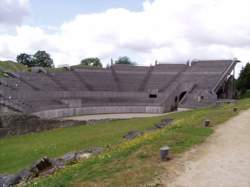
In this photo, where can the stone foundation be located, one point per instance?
(66, 112)
(19, 124)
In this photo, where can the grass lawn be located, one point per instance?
(20, 151)
(11, 67)
(127, 163)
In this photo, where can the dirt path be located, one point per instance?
(223, 161)
(118, 116)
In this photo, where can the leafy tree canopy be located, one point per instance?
(43, 59)
(40, 58)
(243, 82)
(95, 62)
(124, 60)
(24, 59)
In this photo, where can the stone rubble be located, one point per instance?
(47, 166)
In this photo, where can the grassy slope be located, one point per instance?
(128, 163)
(12, 66)
(15, 67)
(84, 66)
(136, 162)
(13, 155)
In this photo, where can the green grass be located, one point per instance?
(246, 94)
(12, 66)
(13, 155)
(126, 163)
(85, 67)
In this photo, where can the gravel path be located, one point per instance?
(110, 116)
(118, 116)
(223, 161)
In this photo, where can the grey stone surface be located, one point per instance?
(164, 123)
(64, 112)
(18, 124)
(132, 135)
(47, 166)
(9, 180)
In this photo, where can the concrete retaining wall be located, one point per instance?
(65, 112)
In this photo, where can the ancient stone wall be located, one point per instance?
(19, 124)
(63, 112)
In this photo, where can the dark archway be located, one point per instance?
(182, 95)
(175, 106)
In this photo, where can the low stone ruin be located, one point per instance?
(47, 166)
(19, 124)
(134, 134)
(163, 123)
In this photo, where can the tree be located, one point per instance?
(43, 59)
(24, 59)
(124, 60)
(40, 58)
(95, 62)
(243, 82)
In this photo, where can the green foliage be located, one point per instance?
(11, 66)
(24, 59)
(94, 62)
(243, 82)
(124, 60)
(246, 94)
(43, 59)
(40, 58)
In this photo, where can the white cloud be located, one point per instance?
(166, 30)
(12, 12)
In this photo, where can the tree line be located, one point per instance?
(43, 59)
(243, 82)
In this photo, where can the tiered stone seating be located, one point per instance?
(163, 75)
(40, 81)
(100, 80)
(15, 84)
(130, 81)
(130, 77)
(210, 66)
(40, 105)
(205, 73)
(68, 81)
(120, 85)
(124, 67)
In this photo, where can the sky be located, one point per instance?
(145, 30)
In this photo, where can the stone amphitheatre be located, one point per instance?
(29, 101)
(118, 89)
